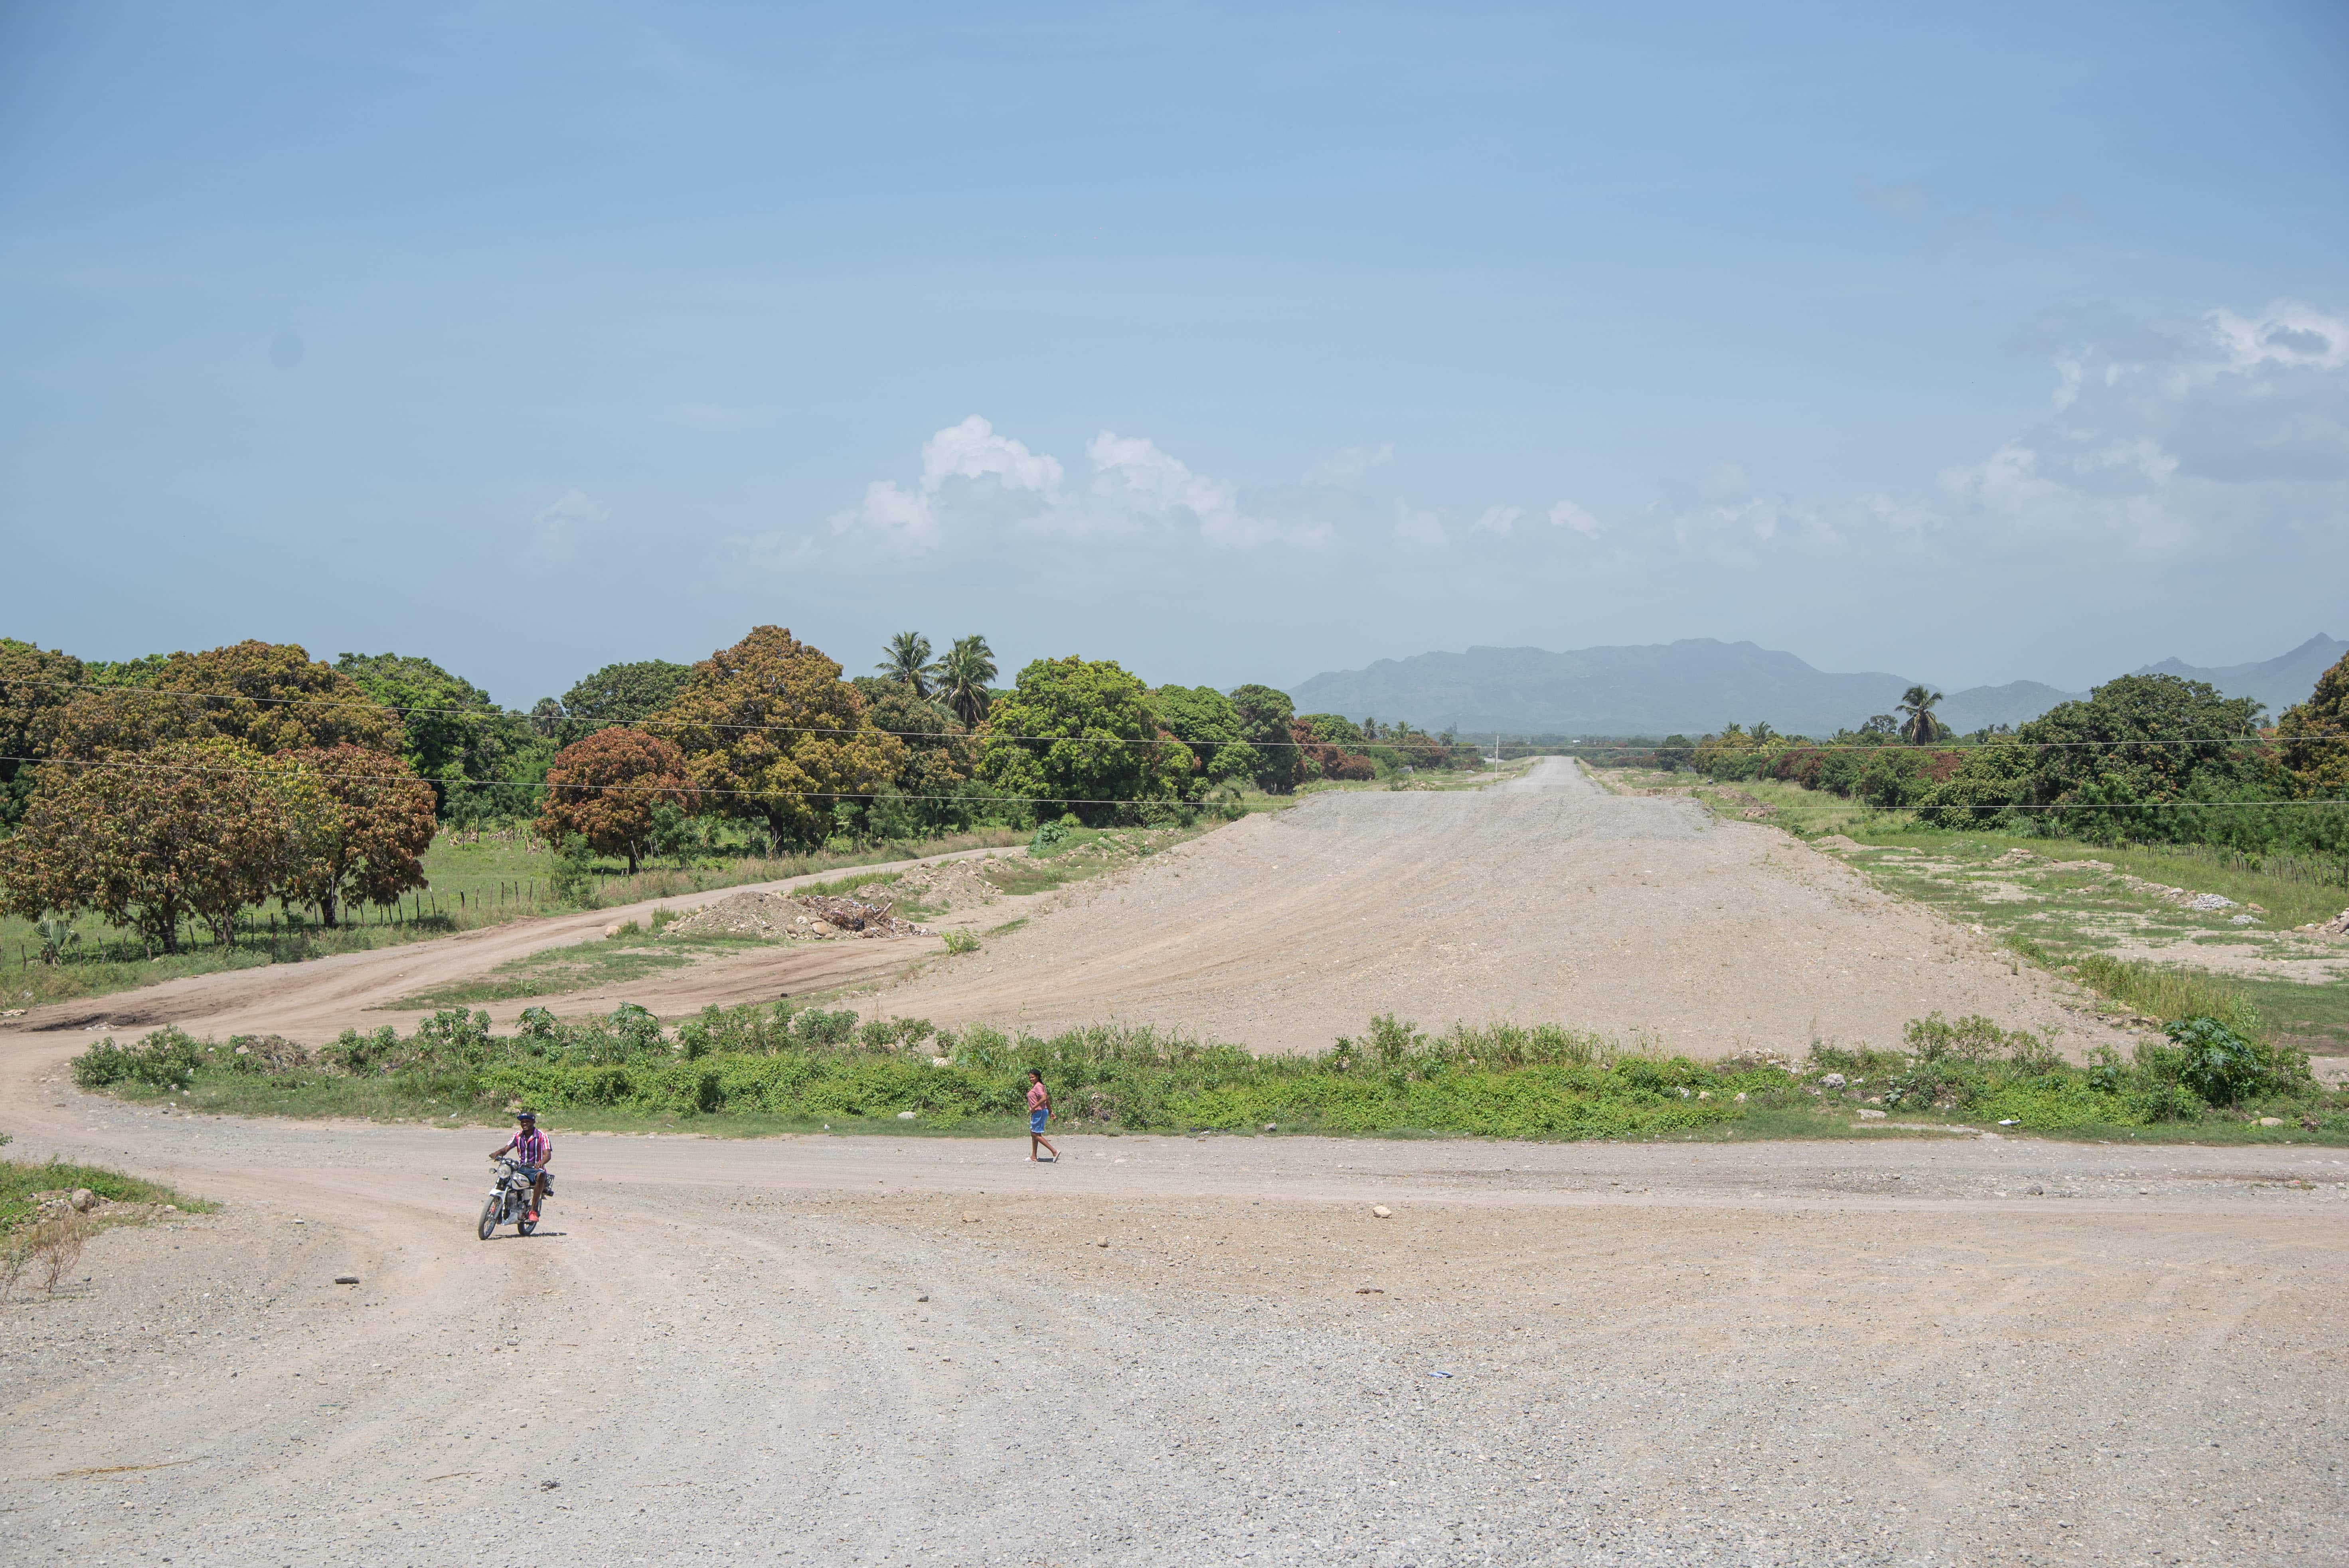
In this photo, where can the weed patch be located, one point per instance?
(779, 1068)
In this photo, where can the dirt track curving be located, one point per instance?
(315, 1001)
(893, 1351)
(1541, 900)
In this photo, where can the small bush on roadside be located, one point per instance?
(167, 1058)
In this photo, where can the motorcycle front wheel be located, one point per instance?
(489, 1212)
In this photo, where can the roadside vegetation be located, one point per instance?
(47, 1211)
(783, 1068)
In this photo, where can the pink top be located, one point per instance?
(1037, 1099)
(532, 1147)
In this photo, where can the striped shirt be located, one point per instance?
(530, 1147)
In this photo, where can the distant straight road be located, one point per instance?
(1543, 899)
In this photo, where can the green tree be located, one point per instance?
(617, 694)
(359, 835)
(1265, 715)
(772, 734)
(458, 739)
(1206, 721)
(605, 787)
(35, 687)
(2138, 742)
(908, 662)
(1922, 727)
(1081, 736)
(2316, 734)
(963, 679)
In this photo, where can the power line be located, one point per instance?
(1521, 747)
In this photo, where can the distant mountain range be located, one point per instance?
(1698, 684)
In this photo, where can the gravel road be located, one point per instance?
(316, 1000)
(1543, 899)
(896, 1351)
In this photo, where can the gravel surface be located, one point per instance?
(900, 1350)
(1542, 900)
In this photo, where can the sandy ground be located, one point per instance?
(315, 1001)
(1541, 900)
(900, 1351)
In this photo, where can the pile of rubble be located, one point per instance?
(782, 917)
(2337, 926)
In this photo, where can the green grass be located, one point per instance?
(19, 1180)
(2076, 920)
(1082, 854)
(474, 884)
(775, 1069)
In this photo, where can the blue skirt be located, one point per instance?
(1036, 1119)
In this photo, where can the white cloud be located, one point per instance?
(972, 450)
(1566, 515)
(2159, 443)
(559, 524)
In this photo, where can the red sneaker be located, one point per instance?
(531, 1216)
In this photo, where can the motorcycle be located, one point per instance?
(509, 1202)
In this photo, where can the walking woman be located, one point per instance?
(1039, 1111)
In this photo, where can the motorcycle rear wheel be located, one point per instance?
(525, 1226)
(491, 1213)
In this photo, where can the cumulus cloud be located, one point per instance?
(2155, 442)
(978, 486)
(2189, 430)
(558, 525)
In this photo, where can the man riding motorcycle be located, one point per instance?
(531, 1149)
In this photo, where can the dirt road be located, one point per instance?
(1541, 900)
(316, 1000)
(898, 1351)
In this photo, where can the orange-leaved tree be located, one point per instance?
(36, 684)
(272, 696)
(191, 830)
(772, 734)
(2315, 736)
(358, 835)
(604, 788)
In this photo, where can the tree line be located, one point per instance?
(193, 787)
(2143, 759)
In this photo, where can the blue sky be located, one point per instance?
(1234, 344)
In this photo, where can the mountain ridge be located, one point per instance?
(1698, 684)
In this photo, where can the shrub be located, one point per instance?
(167, 1058)
(2218, 1064)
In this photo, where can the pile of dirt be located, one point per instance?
(956, 884)
(782, 917)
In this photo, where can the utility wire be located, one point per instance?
(1522, 747)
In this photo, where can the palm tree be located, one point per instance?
(1920, 727)
(963, 676)
(908, 662)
